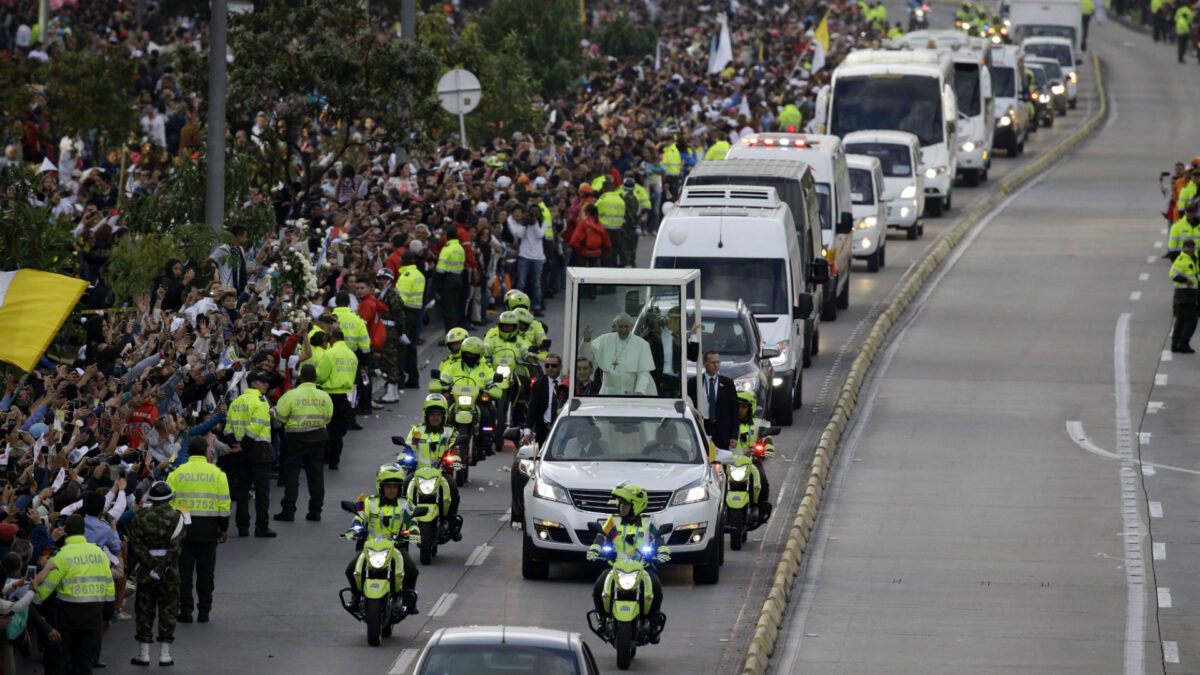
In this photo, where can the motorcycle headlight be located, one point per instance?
(544, 489)
(377, 559)
(1005, 120)
(1058, 89)
(968, 146)
(996, 39)
(738, 473)
(909, 192)
(503, 371)
(427, 485)
(690, 494)
(746, 383)
(867, 223)
(920, 13)
(525, 466)
(465, 400)
(627, 580)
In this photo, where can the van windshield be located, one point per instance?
(1053, 71)
(761, 283)
(966, 83)
(911, 103)
(1004, 82)
(861, 191)
(895, 159)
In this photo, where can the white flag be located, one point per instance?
(724, 52)
(818, 57)
(658, 56)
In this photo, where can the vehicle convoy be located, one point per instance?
(794, 183)
(827, 158)
(899, 155)
(639, 423)
(903, 90)
(1012, 100)
(740, 239)
(870, 210)
(1059, 49)
(1046, 18)
(1056, 80)
(972, 57)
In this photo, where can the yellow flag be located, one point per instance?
(582, 13)
(33, 306)
(822, 33)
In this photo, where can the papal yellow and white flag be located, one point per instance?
(33, 306)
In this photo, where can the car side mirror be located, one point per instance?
(724, 457)
(399, 440)
(348, 506)
(819, 272)
(803, 308)
(846, 224)
(527, 452)
(769, 353)
(887, 196)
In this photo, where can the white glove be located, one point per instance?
(405, 341)
(663, 557)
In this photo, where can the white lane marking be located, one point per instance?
(1160, 550)
(402, 661)
(1075, 431)
(1158, 244)
(1152, 407)
(1151, 258)
(1135, 573)
(478, 555)
(1135, 296)
(1156, 509)
(1148, 470)
(507, 515)
(1143, 276)
(1170, 651)
(1160, 379)
(1144, 437)
(1164, 597)
(1167, 356)
(443, 604)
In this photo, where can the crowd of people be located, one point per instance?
(161, 410)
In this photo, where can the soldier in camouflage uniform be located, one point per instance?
(627, 247)
(155, 542)
(393, 321)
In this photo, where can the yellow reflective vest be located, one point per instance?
(249, 417)
(1184, 270)
(338, 367)
(718, 150)
(1183, 26)
(411, 287)
(612, 210)
(643, 197)
(201, 489)
(304, 408)
(671, 161)
(354, 329)
(81, 574)
(452, 258)
(315, 359)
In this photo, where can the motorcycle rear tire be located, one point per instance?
(624, 644)
(737, 525)
(428, 542)
(374, 618)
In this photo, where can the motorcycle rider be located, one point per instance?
(430, 443)
(531, 331)
(388, 514)
(750, 431)
(454, 340)
(627, 531)
(514, 300)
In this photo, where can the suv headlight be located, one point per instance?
(867, 223)
(909, 192)
(690, 494)
(746, 383)
(377, 559)
(544, 489)
(968, 146)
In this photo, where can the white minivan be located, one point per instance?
(743, 241)
(899, 155)
(868, 198)
(824, 153)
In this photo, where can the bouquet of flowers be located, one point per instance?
(293, 270)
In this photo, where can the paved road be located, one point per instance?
(276, 608)
(989, 510)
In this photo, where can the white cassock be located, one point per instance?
(626, 364)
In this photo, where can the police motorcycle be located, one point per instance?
(468, 398)
(511, 361)
(378, 577)
(628, 622)
(744, 478)
(429, 490)
(918, 16)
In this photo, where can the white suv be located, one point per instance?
(655, 443)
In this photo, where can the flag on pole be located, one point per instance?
(33, 306)
(582, 13)
(818, 56)
(722, 55)
(822, 33)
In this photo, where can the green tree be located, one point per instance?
(324, 59)
(548, 32)
(624, 36)
(140, 257)
(30, 238)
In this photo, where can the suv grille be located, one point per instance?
(597, 501)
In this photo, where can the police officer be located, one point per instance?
(431, 441)
(85, 596)
(751, 432)
(390, 356)
(627, 532)
(627, 250)
(611, 206)
(411, 286)
(1184, 274)
(1183, 28)
(1187, 227)
(335, 376)
(248, 432)
(386, 513)
(451, 262)
(201, 491)
(672, 163)
(304, 413)
(156, 538)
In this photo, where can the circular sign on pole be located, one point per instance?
(459, 92)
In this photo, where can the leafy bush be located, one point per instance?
(622, 36)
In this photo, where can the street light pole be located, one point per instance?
(43, 19)
(214, 202)
(408, 19)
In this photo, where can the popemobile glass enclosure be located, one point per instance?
(626, 335)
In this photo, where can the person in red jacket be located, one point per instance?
(371, 310)
(142, 419)
(589, 240)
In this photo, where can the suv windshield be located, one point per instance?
(624, 439)
(894, 159)
(1004, 82)
(861, 191)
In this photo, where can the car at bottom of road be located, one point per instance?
(596, 444)
(478, 650)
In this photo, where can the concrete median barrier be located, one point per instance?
(770, 621)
